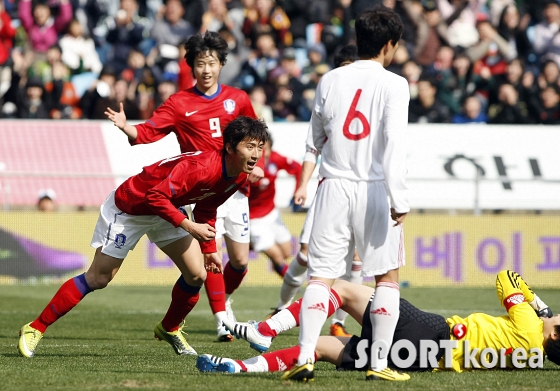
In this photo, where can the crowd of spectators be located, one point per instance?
(467, 61)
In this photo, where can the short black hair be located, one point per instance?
(375, 27)
(243, 128)
(552, 347)
(347, 53)
(210, 41)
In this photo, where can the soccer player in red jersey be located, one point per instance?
(197, 116)
(268, 232)
(149, 203)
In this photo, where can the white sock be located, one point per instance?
(220, 316)
(339, 316)
(384, 314)
(256, 364)
(293, 280)
(282, 321)
(354, 276)
(312, 316)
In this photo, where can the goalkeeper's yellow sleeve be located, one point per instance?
(512, 289)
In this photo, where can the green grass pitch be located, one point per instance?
(107, 343)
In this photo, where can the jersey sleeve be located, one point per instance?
(317, 130)
(514, 294)
(158, 126)
(394, 159)
(290, 166)
(175, 185)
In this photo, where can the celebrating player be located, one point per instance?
(268, 232)
(197, 116)
(529, 325)
(148, 203)
(357, 125)
(297, 270)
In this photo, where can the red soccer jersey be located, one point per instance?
(261, 199)
(196, 119)
(193, 177)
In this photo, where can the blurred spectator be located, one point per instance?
(460, 17)
(32, 102)
(258, 99)
(490, 52)
(546, 109)
(46, 200)
(95, 100)
(411, 72)
(270, 19)
(546, 38)
(65, 100)
(260, 62)
(513, 28)
(7, 35)
(457, 83)
(218, 17)
(508, 109)
(316, 55)
(517, 77)
(147, 102)
(170, 28)
(550, 74)
(431, 30)
(127, 31)
(471, 112)
(427, 108)
(285, 91)
(400, 57)
(339, 30)
(44, 68)
(443, 62)
(41, 30)
(237, 56)
(125, 95)
(78, 51)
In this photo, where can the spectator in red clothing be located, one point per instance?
(7, 34)
(268, 233)
(41, 30)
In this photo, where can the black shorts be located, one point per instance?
(413, 325)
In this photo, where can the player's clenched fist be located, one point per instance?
(213, 263)
(201, 232)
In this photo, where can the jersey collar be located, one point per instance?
(215, 94)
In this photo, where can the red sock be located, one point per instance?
(183, 299)
(283, 360)
(216, 292)
(233, 277)
(335, 302)
(66, 298)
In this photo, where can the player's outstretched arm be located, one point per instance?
(119, 120)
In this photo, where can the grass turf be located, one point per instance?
(106, 343)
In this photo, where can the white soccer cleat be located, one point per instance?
(249, 332)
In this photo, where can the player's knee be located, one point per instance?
(239, 262)
(98, 281)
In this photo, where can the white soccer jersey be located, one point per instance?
(358, 121)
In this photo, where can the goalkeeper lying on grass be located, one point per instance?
(529, 326)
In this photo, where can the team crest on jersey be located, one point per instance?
(272, 168)
(120, 240)
(229, 105)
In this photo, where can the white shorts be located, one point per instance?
(307, 224)
(118, 232)
(233, 218)
(348, 214)
(268, 230)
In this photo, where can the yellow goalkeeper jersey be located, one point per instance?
(521, 328)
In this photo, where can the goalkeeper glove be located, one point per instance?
(540, 308)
